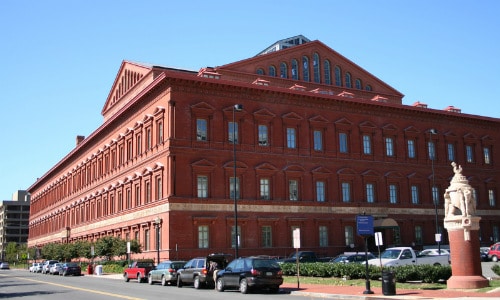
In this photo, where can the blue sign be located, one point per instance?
(364, 225)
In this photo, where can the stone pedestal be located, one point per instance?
(463, 233)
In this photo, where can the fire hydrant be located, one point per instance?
(90, 270)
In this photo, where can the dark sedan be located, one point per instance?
(70, 268)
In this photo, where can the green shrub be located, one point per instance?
(496, 269)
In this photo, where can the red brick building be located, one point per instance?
(313, 140)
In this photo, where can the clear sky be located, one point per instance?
(60, 58)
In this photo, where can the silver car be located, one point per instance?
(165, 272)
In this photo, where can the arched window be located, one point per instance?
(348, 82)
(358, 84)
(305, 68)
(260, 71)
(272, 71)
(368, 87)
(283, 70)
(317, 76)
(295, 69)
(326, 67)
(338, 76)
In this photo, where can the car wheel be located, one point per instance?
(163, 281)
(139, 278)
(244, 286)
(197, 283)
(179, 281)
(150, 279)
(125, 277)
(219, 285)
(494, 258)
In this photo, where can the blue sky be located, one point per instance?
(59, 58)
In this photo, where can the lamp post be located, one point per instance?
(236, 107)
(437, 236)
(157, 222)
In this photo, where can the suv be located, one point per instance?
(250, 273)
(494, 252)
(199, 272)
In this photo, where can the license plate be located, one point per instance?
(269, 273)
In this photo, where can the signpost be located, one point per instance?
(296, 245)
(364, 225)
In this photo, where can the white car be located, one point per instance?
(34, 267)
(55, 269)
(432, 252)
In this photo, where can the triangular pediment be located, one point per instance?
(411, 129)
(264, 113)
(292, 116)
(318, 119)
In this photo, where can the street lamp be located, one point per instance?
(437, 236)
(157, 222)
(236, 107)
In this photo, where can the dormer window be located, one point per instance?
(259, 81)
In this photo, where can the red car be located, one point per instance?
(494, 252)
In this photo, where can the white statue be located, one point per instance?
(458, 197)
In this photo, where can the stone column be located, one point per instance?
(463, 233)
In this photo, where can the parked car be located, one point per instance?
(37, 268)
(483, 252)
(46, 266)
(494, 252)
(198, 271)
(400, 256)
(427, 252)
(250, 273)
(138, 270)
(165, 272)
(55, 269)
(303, 256)
(70, 268)
(33, 267)
(4, 266)
(352, 258)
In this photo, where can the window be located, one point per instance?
(328, 78)
(343, 143)
(265, 189)
(159, 130)
(414, 194)
(203, 237)
(146, 239)
(349, 235)
(290, 138)
(201, 130)
(295, 69)
(267, 236)
(260, 72)
(476, 199)
(469, 153)
(129, 198)
(148, 138)
(138, 144)
(318, 140)
(238, 237)
(393, 193)
(346, 192)
(491, 198)
(418, 235)
(450, 149)
(202, 186)
(358, 84)
(431, 149)
(338, 76)
(367, 144)
(389, 146)
(370, 193)
(263, 136)
(159, 188)
(233, 132)
(305, 68)
(137, 195)
(234, 188)
(283, 70)
(148, 191)
(411, 148)
(320, 191)
(293, 189)
(435, 195)
(486, 155)
(272, 71)
(130, 150)
(317, 76)
(348, 82)
(323, 236)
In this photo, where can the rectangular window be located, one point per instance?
(265, 189)
(486, 154)
(293, 189)
(148, 191)
(367, 144)
(370, 193)
(346, 192)
(159, 132)
(476, 198)
(469, 153)
(418, 235)
(431, 149)
(203, 237)
(263, 136)
(146, 240)
(159, 188)
(235, 238)
(130, 150)
(137, 195)
(491, 198)
(202, 186)
(290, 138)
(349, 235)
(318, 140)
(320, 191)
(414, 195)
(343, 143)
(323, 236)
(129, 198)
(267, 237)
(393, 194)
(148, 138)
(451, 152)
(411, 149)
(233, 132)
(389, 146)
(435, 195)
(496, 235)
(138, 141)
(234, 188)
(201, 130)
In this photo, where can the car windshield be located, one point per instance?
(72, 265)
(390, 254)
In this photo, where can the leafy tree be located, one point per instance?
(11, 252)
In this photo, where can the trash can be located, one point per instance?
(90, 270)
(388, 283)
(98, 270)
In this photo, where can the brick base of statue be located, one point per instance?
(465, 260)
